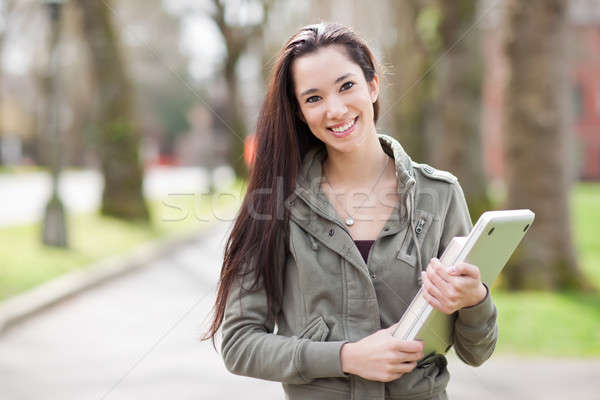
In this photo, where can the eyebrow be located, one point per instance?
(312, 90)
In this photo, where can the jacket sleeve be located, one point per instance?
(249, 346)
(475, 328)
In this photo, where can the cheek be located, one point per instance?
(312, 116)
(364, 99)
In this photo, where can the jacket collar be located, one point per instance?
(308, 185)
(308, 189)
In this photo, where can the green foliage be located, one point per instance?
(428, 21)
(173, 113)
(172, 105)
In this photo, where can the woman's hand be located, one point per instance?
(449, 290)
(380, 356)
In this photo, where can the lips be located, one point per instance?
(349, 127)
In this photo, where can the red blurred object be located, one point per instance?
(166, 160)
(250, 150)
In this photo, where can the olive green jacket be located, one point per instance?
(331, 296)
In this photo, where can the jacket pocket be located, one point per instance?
(316, 330)
(407, 252)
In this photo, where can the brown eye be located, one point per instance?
(312, 99)
(347, 85)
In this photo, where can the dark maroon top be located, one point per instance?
(364, 246)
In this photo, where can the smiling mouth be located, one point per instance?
(346, 128)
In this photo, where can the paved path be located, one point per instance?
(137, 338)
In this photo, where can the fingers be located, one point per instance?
(410, 346)
(396, 372)
(396, 358)
(437, 273)
(439, 293)
(464, 269)
(405, 367)
(436, 302)
(430, 287)
(409, 357)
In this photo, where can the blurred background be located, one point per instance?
(128, 123)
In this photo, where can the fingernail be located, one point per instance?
(452, 269)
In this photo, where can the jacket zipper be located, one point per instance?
(418, 230)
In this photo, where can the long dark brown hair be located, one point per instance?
(283, 140)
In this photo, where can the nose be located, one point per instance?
(336, 108)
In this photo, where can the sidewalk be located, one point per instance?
(137, 338)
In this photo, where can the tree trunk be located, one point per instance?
(458, 145)
(7, 7)
(235, 117)
(119, 142)
(412, 96)
(536, 143)
(236, 39)
(2, 132)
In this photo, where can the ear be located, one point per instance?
(374, 88)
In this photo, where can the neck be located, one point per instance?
(356, 168)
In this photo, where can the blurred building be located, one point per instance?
(585, 28)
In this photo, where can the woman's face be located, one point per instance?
(335, 100)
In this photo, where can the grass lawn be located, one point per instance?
(549, 324)
(586, 217)
(559, 324)
(6, 169)
(26, 262)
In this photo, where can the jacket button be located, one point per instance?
(331, 232)
(373, 275)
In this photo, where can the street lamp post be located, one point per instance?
(54, 228)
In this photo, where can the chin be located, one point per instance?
(350, 144)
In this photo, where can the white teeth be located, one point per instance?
(344, 127)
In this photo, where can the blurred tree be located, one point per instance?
(78, 146)
(237, 34)
(536, 143)
(172, 108)
(7, 8)
(119, 143)
(411, 54)
(458, 77)
(163, 89)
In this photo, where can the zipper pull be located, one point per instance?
(420, 226)
(418, 230)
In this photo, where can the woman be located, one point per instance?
(328, 247)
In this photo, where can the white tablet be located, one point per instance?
(490, 244)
